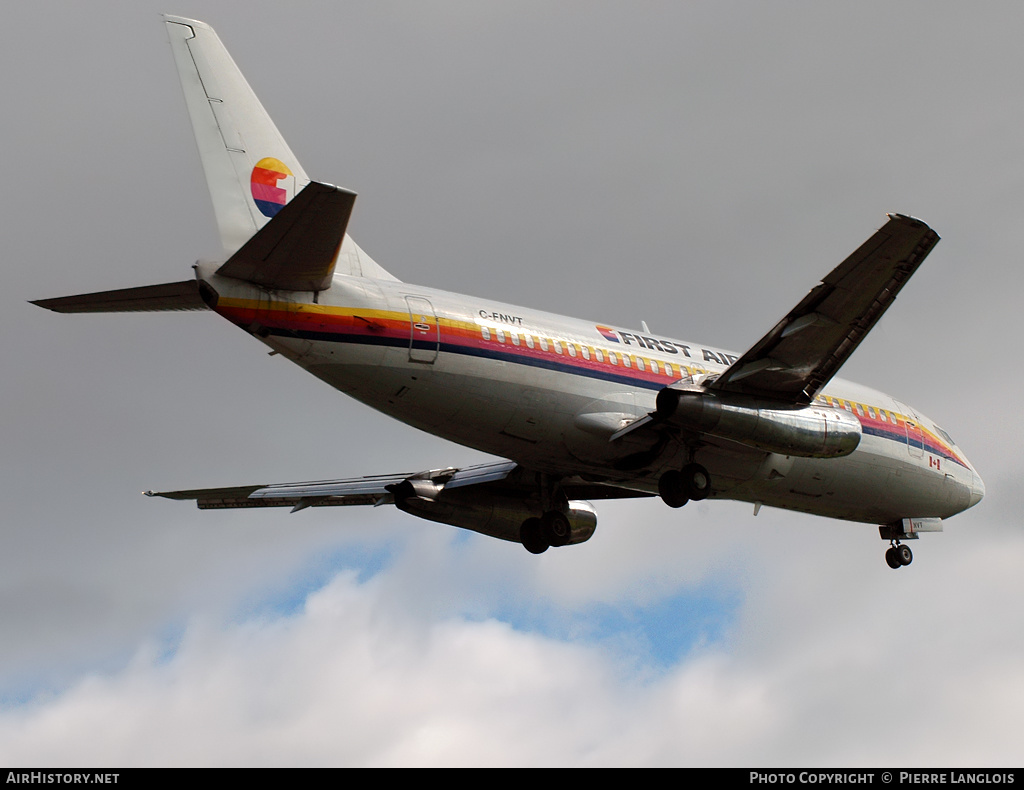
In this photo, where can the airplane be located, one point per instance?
(577, 410)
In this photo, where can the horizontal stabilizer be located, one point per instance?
(148, 298)
(297, 249)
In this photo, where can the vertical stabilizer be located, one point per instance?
(250, 170)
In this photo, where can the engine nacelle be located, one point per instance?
(484, 512)
(808, 431)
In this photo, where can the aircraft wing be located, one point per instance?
(806, 348)
(498, 477)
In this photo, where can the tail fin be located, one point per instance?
(250, 170)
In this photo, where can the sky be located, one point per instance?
(695, 165)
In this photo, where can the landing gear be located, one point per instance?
(555, 529)
(898, 555)
(539, 534)
(672, 489)
(678, 487)
(532, 537)
(697, 481)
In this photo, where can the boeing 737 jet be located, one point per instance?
(580, 411)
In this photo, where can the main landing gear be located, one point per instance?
(898, 555)
(677, 487)
(551, 529)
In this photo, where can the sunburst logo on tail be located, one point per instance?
(269, 197)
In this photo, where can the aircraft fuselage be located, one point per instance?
(549, 392)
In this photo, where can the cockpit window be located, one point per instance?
(944, 435)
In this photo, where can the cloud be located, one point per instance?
(872, 668)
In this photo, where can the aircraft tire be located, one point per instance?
(891, 559)
(555, 528)
(531, 536)
(696, 482)
(671, 490)
(904, 554)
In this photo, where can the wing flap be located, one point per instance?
(371, 490)
(806, 348)
(504, 476)
(360, 491)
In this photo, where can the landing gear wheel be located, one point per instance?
(531, 536)
(554, 528)
(696, 482)
(904, 554)
(671, 489)
(891, 559)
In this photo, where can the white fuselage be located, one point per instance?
(548, 392)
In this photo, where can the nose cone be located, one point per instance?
(977, 489)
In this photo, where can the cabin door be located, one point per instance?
(915, 439)
(424, 332)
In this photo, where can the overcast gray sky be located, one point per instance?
(698, 166)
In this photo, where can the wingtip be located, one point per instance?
(907, 217)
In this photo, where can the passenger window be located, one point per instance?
(640, 363)
(613, 357)
(515, 338)
(543, 344)
(485, 333)
(501, 335)
(529, 341)
(572, 349)
(558, 346)
(654, 366)
(586, 351)
(625, 360)
(599, 354)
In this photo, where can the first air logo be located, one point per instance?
(269, 197)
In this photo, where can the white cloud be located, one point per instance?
(862, 673)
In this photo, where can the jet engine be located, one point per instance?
(808, 431)
(481, 511)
